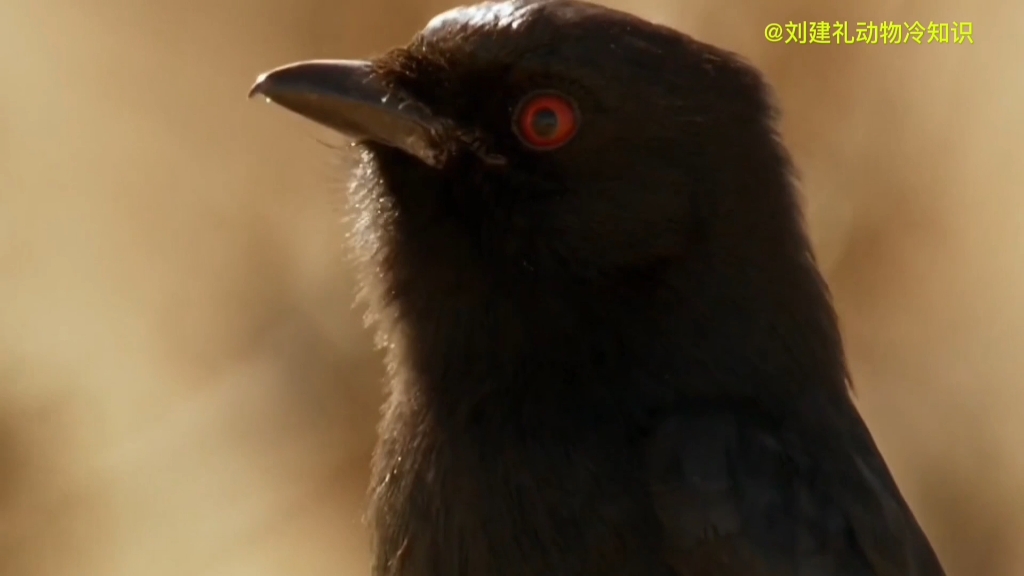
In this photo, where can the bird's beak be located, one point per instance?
(348, 96)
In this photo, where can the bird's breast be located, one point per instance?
(513, 500)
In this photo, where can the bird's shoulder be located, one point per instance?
(739, 494)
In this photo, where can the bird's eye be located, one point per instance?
(545, 121)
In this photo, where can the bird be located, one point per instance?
(609, 348)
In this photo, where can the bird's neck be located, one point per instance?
(635, 352)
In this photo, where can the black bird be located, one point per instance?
(610, 349)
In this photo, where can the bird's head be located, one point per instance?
(524, 146)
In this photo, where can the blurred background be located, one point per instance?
(186, 388)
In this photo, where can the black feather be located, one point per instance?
(617, 357)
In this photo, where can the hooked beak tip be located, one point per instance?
(257, 89)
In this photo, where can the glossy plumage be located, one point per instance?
(616, 357)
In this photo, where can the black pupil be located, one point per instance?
(544, 123)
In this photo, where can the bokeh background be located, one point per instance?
(186, 387)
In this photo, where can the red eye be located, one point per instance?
(546, 121)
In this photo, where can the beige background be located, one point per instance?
(185, 387)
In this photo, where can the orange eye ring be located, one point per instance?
(546, 120)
